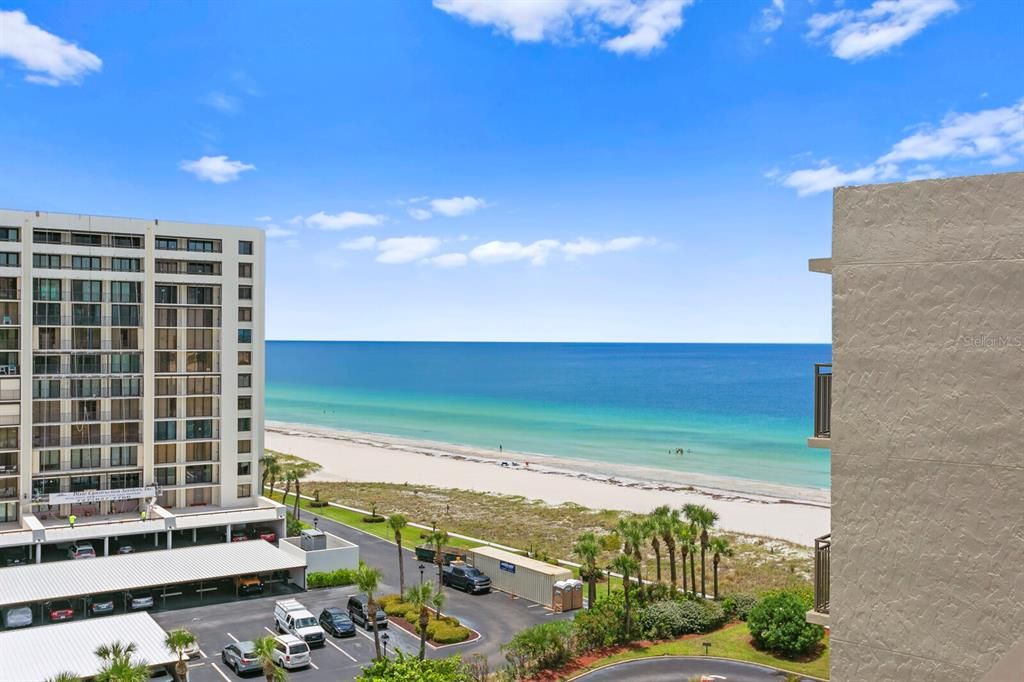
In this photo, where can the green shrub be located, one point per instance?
(446, 633)
(374, 519)
(413, 616)
(397, 608)
(411, 669)
(539, 647)
(342, 576)
(666, 619)
(602, 625)
(715, 615)
(739, 605)
(778, 623)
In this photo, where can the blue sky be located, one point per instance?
(626, 170)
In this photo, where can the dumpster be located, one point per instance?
(426, 553)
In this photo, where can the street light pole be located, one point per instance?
(384, 640)
(421, 574)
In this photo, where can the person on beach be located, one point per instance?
(500, 448)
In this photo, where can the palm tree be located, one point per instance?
(64, 677)
(118, 665)
(397, 522)
(301, 470)
(668, 527)
(626, 564)
(270, 470)
(178, 640)
(368, 580)
(437, 601)
(289, 476)
(588, 549)
(652, 529)
(687, 547)
(633, 537)
(438, 538)
(264, 649)
(720, 547)
(703, 518)
(419, 595)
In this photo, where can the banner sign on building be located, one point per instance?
(506, 566)
(92, 496)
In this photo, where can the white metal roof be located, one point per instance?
(58, 579)
(518, 560)
(40, 653)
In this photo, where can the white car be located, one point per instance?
(292, 618)
(82, 550)
(290, 652)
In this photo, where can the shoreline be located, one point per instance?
(787, 512)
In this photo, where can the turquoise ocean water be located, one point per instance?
(741, 410)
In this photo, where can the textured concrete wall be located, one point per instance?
(927, 428)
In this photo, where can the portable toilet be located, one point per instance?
(577, 594)
(561, 595)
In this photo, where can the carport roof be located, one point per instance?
(43, 652)
(77, 578)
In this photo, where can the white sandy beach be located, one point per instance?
(786, 512)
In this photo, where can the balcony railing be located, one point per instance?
(823, 400)
(822, 570)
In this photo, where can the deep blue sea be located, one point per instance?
(740, 410)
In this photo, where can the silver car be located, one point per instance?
(20, 617)
(241, 657)
(143, 599)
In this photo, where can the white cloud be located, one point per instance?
(770, 19)
(359, 244)
(398, 250)
(854, 35)
(420, 213)
(223, 102)
(275, 231)
(456, 206)
(294, 220)
(647, 23)
(589, 247)
(49, 59)
(993, 136)
(448, 260)
(216, 169)
(500, 252)
(343, 220)
(263, 219)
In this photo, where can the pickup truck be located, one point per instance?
(465, 577)
(293, 618)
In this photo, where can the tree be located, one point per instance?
(778, 623)
(633, 537)
(118, 664)
(419, 595)
(588, 549)
(438, 538)
(289, 476)
(437, 601)
(652, 528)
(720, 547)
(669, 526)
(178, 640)
(270, 470)
(684, 535)
(701, 518)
(299, 471)
(396, 522)
(64, 677)
(410, 669)
(264, 649)
(689, 536)
(368, 580)
(625, 564)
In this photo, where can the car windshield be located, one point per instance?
(298, 649)
(305, 622)
(472, 572)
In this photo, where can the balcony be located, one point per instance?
(822, 406)
(822, 575)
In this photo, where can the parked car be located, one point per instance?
(249, 584)
(263, 533)
(358, 612)
(241, 657)
(336, 622)
(81, 550)
(239, 536)
(292, 617)
(290, 652)
(62, 609)
(102, 604)
(140, 599)
(465, 577)
(126, 549)
(18, 617)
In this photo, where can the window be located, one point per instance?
(166, 293)
(125, 363)
(244, 357)
(244, 292)
(85, 458)
(9, 234)
(167, 243)
(86, 290)
(86, 263)
(245, 314)
(10, 258)
(49, 460)
(204, 245)
(165, 476)
(244, 424)
(166, 386)
(46, 364)
(244, 336)
(245, 468)
(125, 432)
(126, 264)
(9, 337)
(86, 388)
(80, 483)
(46, 289)
(199, 362)
(85, 314)
(125, 292)
(199, 407)
(244, 447)
(85, 410)
(85, 338)
(200, 296)
(165, 454)
(166, 408)
(245, 381)
(166, 339)
(200, 339)
(194, 268)
(118, 481)
(199, 452)
(126, 241)
(86, 239)
(245, 270)
(125, 409)
(124, 315)
(44, 411)
(85, 364)
(45, 237)
(46, 388)
(124, 339)
(199, 428)
(202, 386)
(245, 402)
(166, 317)
(126, 387)
(45, 260)
(245, 490)
(44, 313)
(202, 473)
(245, 248)
(166, 362)
(124, 456)
(165, 431)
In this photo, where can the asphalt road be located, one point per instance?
(674, 669)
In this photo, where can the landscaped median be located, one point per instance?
(442, 631)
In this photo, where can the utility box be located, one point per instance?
(519, 575)
(312, 539)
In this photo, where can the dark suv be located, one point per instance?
(357, 611)
(336, 622)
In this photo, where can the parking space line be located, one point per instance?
(353, 658)
(270, 631)
(369, 637)
(203, 654)
(219, 672)
(313, 665)
(233, 638)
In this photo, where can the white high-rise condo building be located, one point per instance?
(131, 380)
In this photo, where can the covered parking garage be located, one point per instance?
(174, 578)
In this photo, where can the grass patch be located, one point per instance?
(732, 641)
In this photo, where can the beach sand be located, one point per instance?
(785, 512)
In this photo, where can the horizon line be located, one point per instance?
(647, 343)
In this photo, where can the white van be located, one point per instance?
(292, 617)
(290, 652)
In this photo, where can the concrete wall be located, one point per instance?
(927, 428)
(339, 554)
